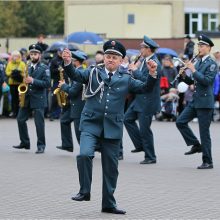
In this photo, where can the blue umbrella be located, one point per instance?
(132, 52)
(84, 38)
(61, 45)
(166, 51)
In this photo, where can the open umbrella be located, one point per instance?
(61, 44)
(84, 38)
(4, 55)
(132, 52)
(166, 51)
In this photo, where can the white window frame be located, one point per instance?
(199, 20)
(213, 20)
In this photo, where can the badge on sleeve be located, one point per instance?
(212, 67)
(47, 72)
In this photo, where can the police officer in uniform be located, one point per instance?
(102, 118)
(73, 111)
(203, 75)
(38, 80)
(144, 106)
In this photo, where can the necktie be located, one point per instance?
(110, 76)
(142, 64)
(199, 63)
(31, 70)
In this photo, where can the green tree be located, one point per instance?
(45, 17)
(11, 24)
(30, 18)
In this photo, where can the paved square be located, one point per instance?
(40, 186)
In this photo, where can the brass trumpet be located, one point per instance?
(183, 68)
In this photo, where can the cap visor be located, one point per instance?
(144, 44)
(115, 52)
(203, 43)
(34, 50)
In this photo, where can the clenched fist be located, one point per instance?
(152, 67)
(67, 56)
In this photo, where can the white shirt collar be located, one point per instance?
(107, 71)
(205, 57)
(34, 65)
(148, 58)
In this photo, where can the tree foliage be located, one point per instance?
(11, 24)
(30, 18)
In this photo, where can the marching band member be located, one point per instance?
(144, 106)
(102, 118)
(37, 81)
(202, 105)
(72, 111)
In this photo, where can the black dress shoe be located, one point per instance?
(114, 211)
(136, 150)
(195, 149)
(22, 147)
(69, 149)
(40, 151)
(147, 161)
(81, 197)
(205, 166)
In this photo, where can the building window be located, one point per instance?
(130, 18)
(200, 22)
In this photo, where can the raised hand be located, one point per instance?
(66, 55)
(152, 67)
(191, 66)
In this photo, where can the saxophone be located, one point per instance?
(22, 89)
(61, 95)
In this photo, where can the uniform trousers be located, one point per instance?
(65, 125)
(142, 136)
(109, 157)
(38, 114)
(204, 119)
(55, 108)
